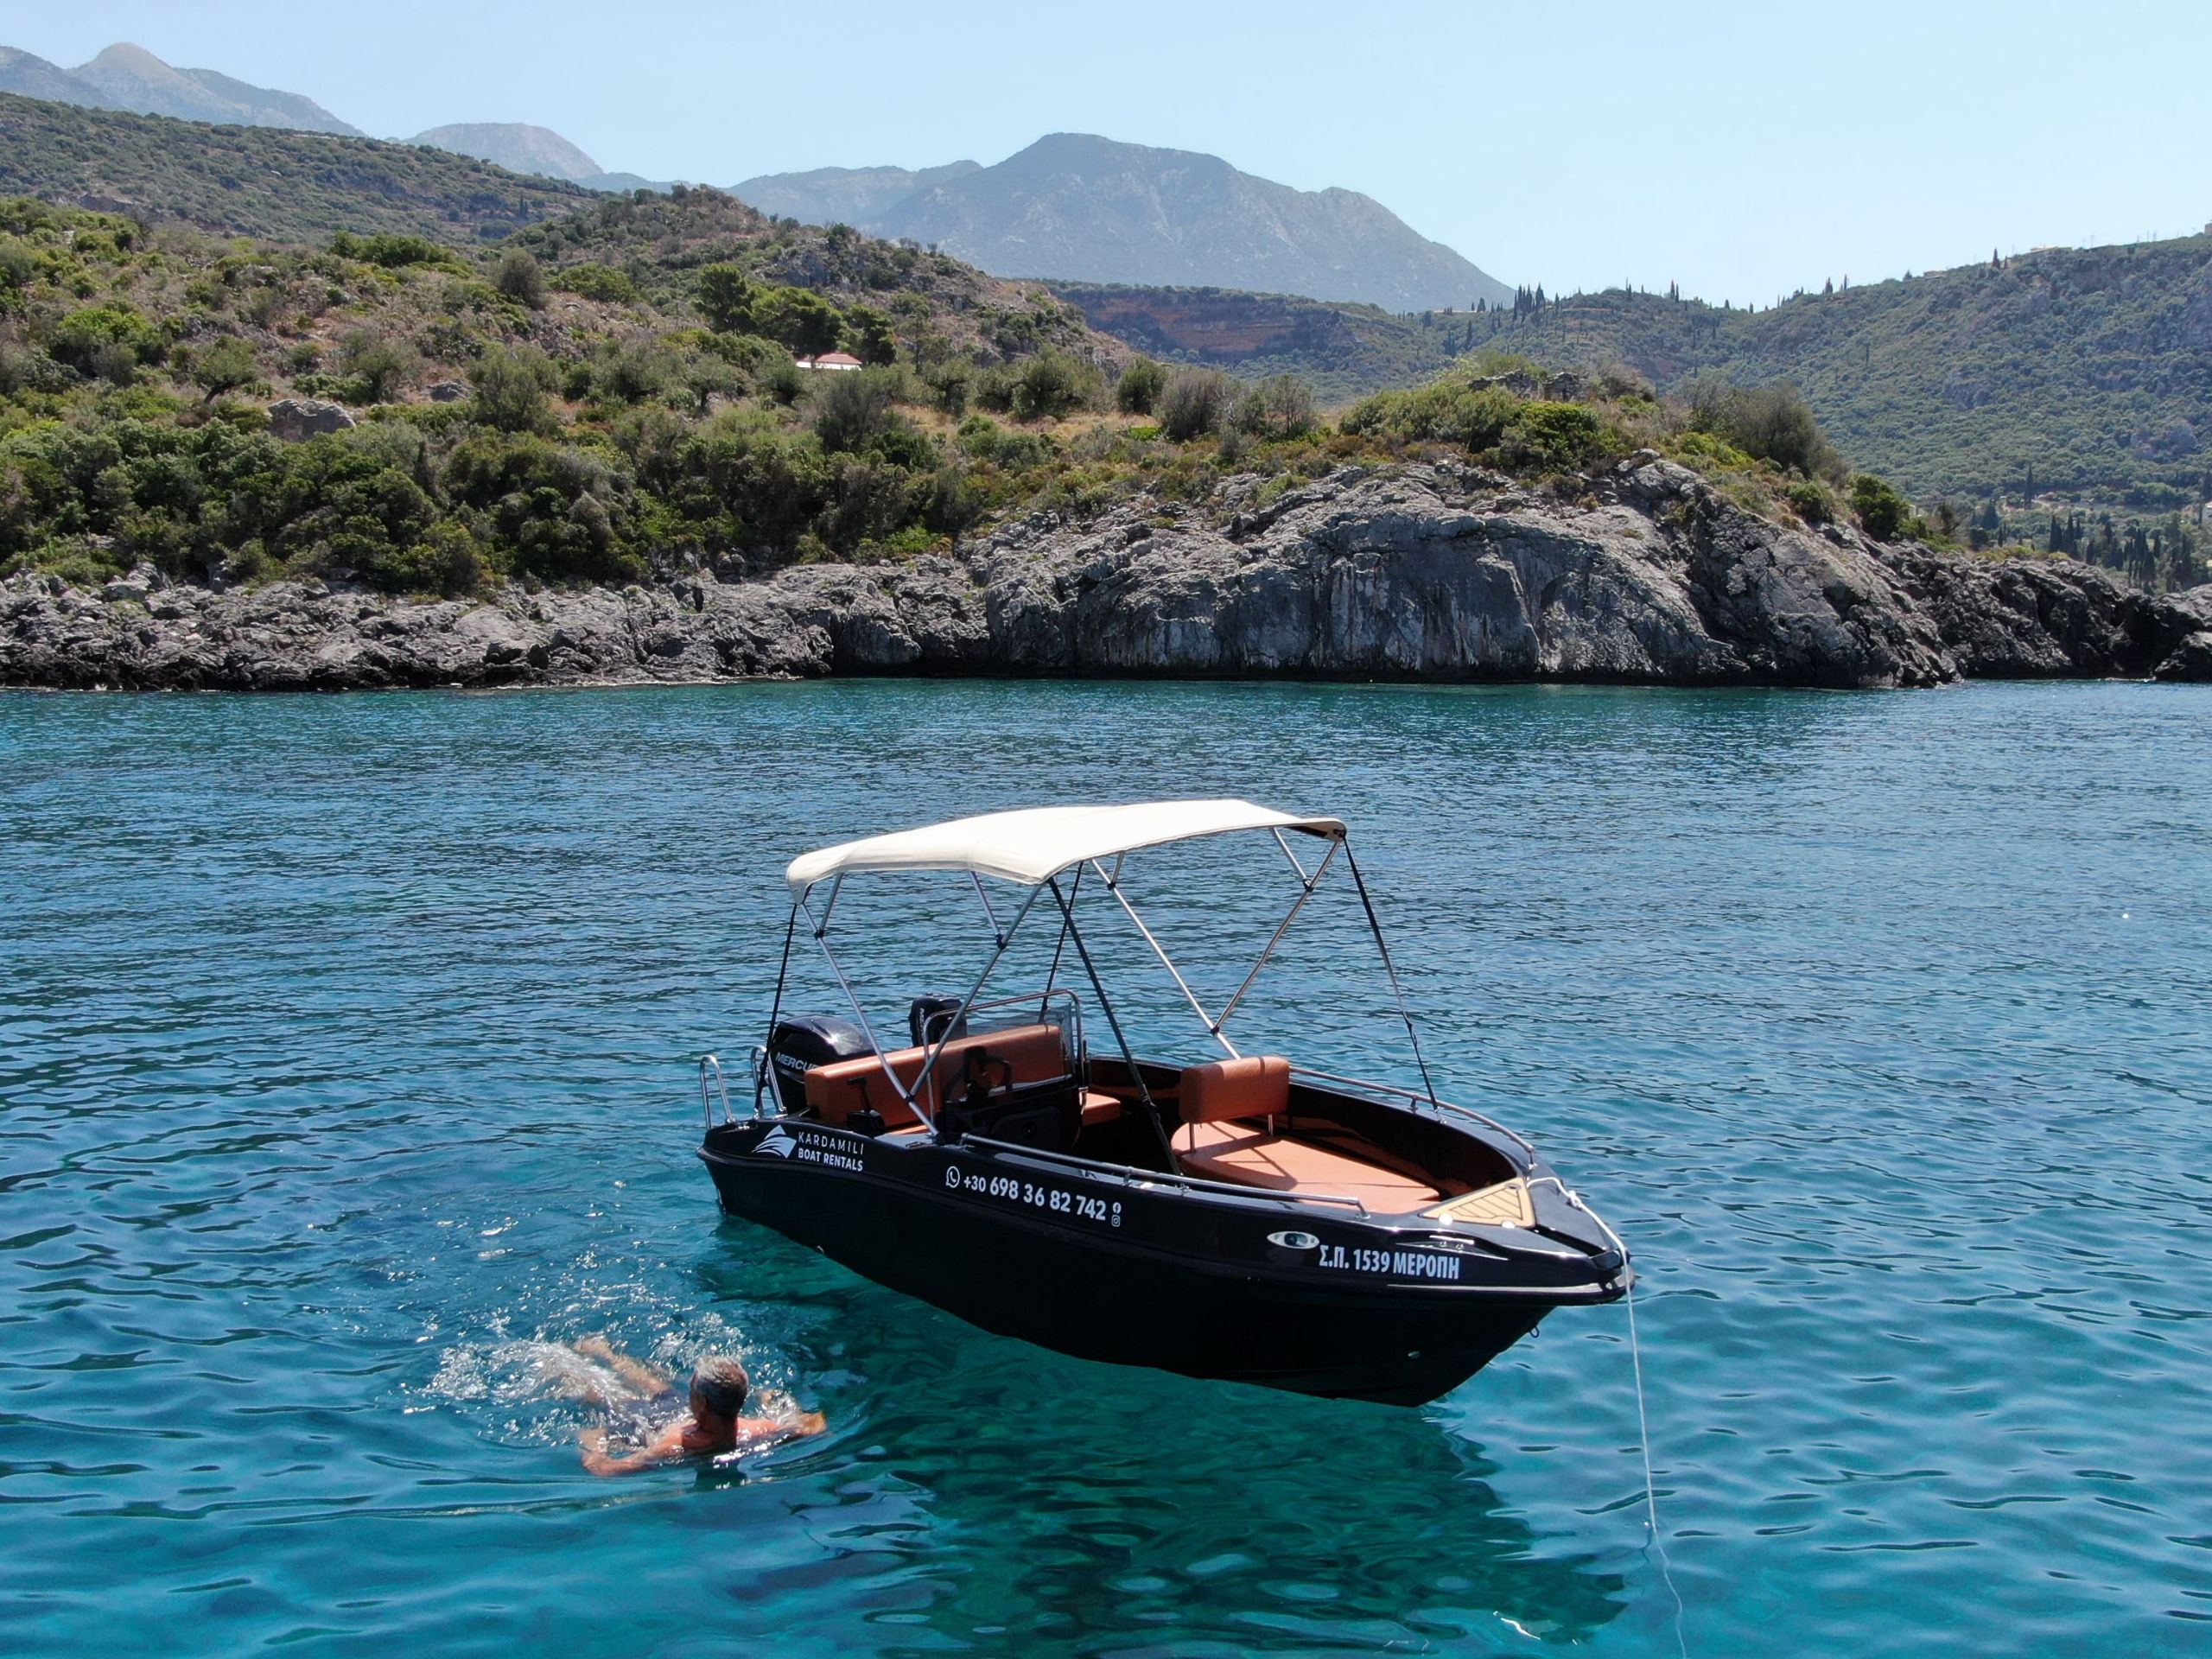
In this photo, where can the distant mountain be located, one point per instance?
(622, 184)
(129, 77)
(540, 151)
(848, 196)
(518, 148)
(293, 186)
(1083, 208)
(33, 77)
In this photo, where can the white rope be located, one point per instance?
(1650, 1486)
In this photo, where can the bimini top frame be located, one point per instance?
(1034, 849)
(1032, 846)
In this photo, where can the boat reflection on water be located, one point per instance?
(1089, 1502)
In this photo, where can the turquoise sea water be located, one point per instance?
(346, 1054)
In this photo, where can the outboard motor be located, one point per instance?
(801, 1041)
(928, 1018)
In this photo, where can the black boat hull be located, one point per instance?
(1139, 1272)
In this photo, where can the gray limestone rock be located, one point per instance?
(294, 419)
(1428, 572)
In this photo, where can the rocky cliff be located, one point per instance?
(1432, 572)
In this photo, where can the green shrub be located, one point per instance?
(985, 439)
(447, 561)
(633, 371)
(1705, 451)
(1554, 437)
(994, 388)
(381, 367)
(1054, 383)
(1444, 411)
(851, 408)
(1768, 423)
(725, 297)
(797, 317)
(554, 512)
(1138, 391)
(513, 385)
(387, 250)
(1195, 401)
(1281, 406)
(89, 339)
(596, 282)
(787, 383)
(18, 264)
(1882, 512)
(1812, 500)
(950, 385)
(869, 500)
(226, 365)
(518, 277)
(749, 482)
(869, 336)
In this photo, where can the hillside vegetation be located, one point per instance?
(1342, 351)
(262, 182)
(2064, 382)
(613, 397)
(2082, 371)
(613, 394)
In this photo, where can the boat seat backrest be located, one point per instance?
(1256, 1086)
(1023, 1054)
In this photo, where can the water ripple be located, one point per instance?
(344, 1060)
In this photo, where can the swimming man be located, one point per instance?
(716, 1424)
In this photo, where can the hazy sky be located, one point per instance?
(1742, 150)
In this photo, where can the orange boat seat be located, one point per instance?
(1256, 1086)
(1219, 1143)
(835, 1092)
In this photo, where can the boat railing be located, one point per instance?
(1575, 1199)
(1127, 1177)
(710, 1072)
(1417, 1097)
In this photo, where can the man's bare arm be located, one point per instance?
(667, 1449)
(635, 1372)
(774, 1428)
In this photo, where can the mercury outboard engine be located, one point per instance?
(802, 1041)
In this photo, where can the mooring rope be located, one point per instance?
(1650, 1486)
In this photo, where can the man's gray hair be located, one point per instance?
(722, 1385)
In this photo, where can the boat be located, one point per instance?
(1225, 1215)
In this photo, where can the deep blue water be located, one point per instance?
(346, 1054)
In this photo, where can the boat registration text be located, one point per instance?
(1399, 1264)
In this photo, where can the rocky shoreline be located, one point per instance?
(1433, 572)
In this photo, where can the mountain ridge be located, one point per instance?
(132, 79)
(516, 145)
(828, 196)
(28, 75)
(1078, 208)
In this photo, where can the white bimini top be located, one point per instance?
(1032, 846)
